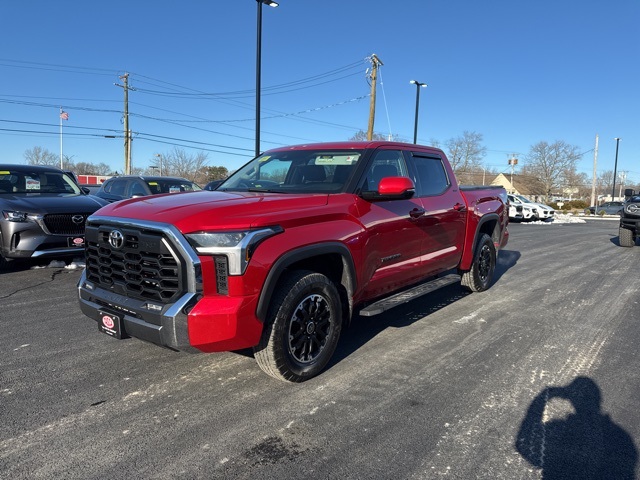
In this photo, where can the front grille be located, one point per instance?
(63, 224)
(143, 268)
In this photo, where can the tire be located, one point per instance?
(480, 276)
(3, 261)
(626, 237)
(302, 328)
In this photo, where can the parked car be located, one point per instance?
(213, 184)
(540, 210)
(43, 213)
(609, 208)
(130, 186)
(515, 212)
(280, 265)
(91, 189)
(529, 212)
(629, 228)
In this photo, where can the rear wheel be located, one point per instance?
(480, 276)
(302, 328)
(626, 236)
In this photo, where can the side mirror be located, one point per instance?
(628, 192)
(392, 188)
(85, 190)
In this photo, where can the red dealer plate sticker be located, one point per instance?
(111, 324)
(76, 242)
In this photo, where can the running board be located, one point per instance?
(408, 295)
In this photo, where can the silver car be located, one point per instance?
(43, 213)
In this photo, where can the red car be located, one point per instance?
(287, 249)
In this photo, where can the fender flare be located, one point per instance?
(302, 253)
(467, 257)
(485, 218)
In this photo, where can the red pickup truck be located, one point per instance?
(287, 249)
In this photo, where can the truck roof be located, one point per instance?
(353, 145)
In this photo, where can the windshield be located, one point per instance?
(296, 171)
(522, 199)
(35, 182)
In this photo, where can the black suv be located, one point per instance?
(43, 212)
(130, 186)
(629, 219)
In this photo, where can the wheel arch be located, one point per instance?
(489, 224)
(332, 259)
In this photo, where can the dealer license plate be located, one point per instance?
(76, 242)
(111, 324)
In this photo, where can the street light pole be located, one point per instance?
(615, 170)
(258, 67)
(415, 123)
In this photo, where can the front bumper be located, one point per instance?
(28, 240)
(630, 223)
(193, 323)
(195, 318)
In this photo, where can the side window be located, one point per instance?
(117, 187)
(136, 188)
(386, 163)
(431, 176)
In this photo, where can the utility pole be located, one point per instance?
(127, 132)
(513, 161)
(375, 62)
(593, 185)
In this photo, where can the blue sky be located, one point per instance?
(516, 72)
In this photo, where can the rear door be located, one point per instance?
(444, 222)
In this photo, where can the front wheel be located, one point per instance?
(302, 328)
(626, 236)
(480, 276)
(3, 261)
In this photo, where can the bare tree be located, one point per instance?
(466, 152)
(180, 164)
(41, 156)
(551, 162)
(101, 169)
(604, 182)
(576, 184)
(361, 136)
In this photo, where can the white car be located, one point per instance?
(515, 212)
(532, 210)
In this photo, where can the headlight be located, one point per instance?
(238, 247)
(13, 216)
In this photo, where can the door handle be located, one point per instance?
(460, 207)
(417, 212)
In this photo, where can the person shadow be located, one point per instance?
(586, 444)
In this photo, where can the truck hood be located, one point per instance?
(208, 210)
(42, 203)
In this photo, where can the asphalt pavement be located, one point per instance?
(537, 377)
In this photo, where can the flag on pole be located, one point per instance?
(64, 115)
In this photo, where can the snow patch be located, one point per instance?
(559, 219)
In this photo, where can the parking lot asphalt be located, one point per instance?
(537, 377)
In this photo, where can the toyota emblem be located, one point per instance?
(78, 219)
(116, 239)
